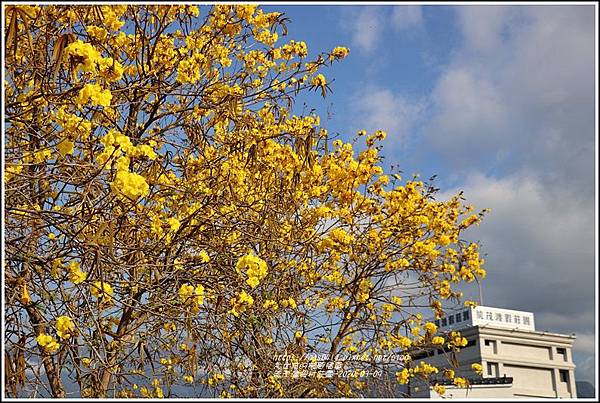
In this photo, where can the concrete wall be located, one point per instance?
(475, 392)
(540, 364)
(533, 360)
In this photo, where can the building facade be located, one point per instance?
(505, 343)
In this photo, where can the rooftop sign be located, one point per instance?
(485, 316)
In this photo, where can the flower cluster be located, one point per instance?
(339, 52)
(47, 342)
(75, 274)
(64, 327)
(130, 185)
(102, 291)
(255, 267)
(89, 60)
(94, 94)
(190, 295)
(240, 303)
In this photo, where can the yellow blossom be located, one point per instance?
(185, 292)
(268, 304)
(438, 340)
(130, 184)
(76, 276)
(319, 80)
(85, 53)
(65, 147)
(403, 376)
(174, 224)
(25, 298)
(204, 258)
(403, 342)
(102, 290)
(339, 52)
(64, 327)
(477, 368)
(255, 267)
(431, 328)
(241, 303)
(461, 382)
(47, 342)
(95, 94)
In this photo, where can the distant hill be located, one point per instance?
(585, 389)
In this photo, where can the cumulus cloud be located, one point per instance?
(585, 343)
(367, 24)
(514, 113)
(407, 17)
(585, 370)
(482, 26)
(540, 249)
(471, 116)
(511, 121)
(364, 25)
(520, 93)
(377, 108)
(540, 252)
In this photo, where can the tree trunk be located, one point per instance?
(52, 370)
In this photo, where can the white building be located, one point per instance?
(507, 346)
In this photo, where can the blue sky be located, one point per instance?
(498, 101)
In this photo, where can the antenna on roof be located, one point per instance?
(480, 292)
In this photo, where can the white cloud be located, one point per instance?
(482, 26)
(585, 343)
(468, 105)
(407, 17)
(364, 25)
(540, 250)
(367, 24)
(519, 93)
(586, 370)
(517, 102)
(514, 115)
(377, 108)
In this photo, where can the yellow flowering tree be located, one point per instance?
(172, 227)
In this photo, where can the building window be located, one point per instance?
(488, 316)
(492, 369)
(444, 323)
(458, 317)
(561, 352)
(564, 375)
(508, 318)
(526, 320)
(451, 320)
(492, 344)
(517, 319)
(466, 315)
